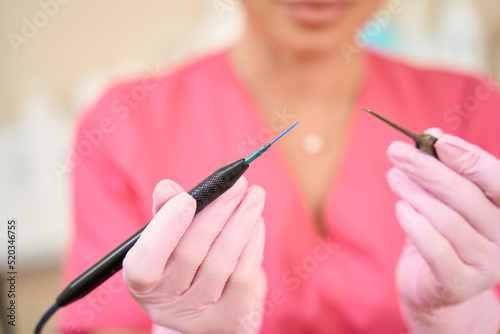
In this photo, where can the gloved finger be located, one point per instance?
(432, 246)
(241, 284)
(193, 247)
(157, 329)
(470, 246)
(409, 271)
(226, 249)
(474, 163)
(164, 191)
(435, 132)
(145, 261)
(252, 322)
(451, 188)
(260, 289)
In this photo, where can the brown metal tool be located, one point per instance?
(425, 142)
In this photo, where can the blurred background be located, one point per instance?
(56, 58)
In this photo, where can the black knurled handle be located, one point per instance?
(217, 183)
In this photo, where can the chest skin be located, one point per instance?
(314, 174)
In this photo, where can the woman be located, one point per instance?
(335, 258)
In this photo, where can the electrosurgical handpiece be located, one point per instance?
(204, 193)
(425, 142)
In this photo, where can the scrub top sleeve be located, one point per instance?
(105, 214)
(492, 116)
(494, 134)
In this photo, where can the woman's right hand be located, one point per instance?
(201, 274)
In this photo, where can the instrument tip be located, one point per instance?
(284, 132)
(396, 126)
(261, 150)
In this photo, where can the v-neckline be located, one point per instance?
(355, 113)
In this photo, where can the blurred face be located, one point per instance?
(308, 26)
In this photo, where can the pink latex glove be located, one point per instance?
(201, 275)
(450, 213)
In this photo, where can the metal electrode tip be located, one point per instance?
(425, 142)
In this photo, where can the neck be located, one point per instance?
(322, 79)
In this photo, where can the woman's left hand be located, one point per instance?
(450, 211)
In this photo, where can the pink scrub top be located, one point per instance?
(185, 125)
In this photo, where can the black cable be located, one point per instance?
(45, 318)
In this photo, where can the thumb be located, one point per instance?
(472, 162)
(165, 190)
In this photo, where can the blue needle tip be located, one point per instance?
(281, 135)
(264, 148)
